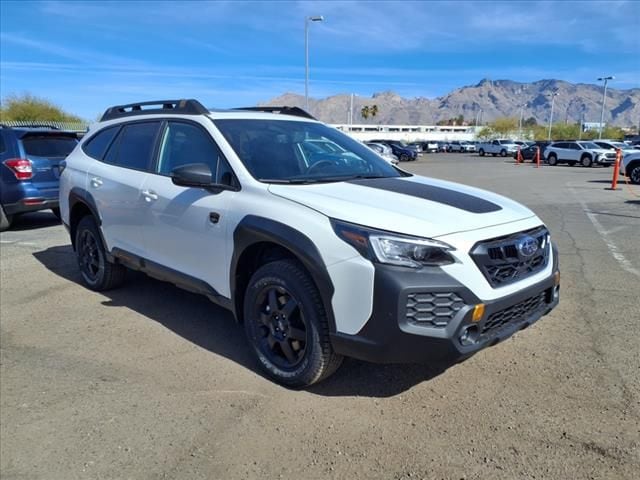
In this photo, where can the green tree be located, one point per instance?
(28, 107)
(530, 122)
(365, 112)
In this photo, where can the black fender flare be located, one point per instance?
(78, 195)
(254, 229)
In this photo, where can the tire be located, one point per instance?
(572, 163)
(481, 152)
(286, 325)
(494, 154)
(503, 153)
(586, 161)
(5, 220)
(56, 212)
(404, 157)
(97, 272)
(634, 174)
(552, 159)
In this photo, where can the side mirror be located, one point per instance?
(197, 175)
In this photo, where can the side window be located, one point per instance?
(134, 146)
(98, 144)
(3, 146)
(574, 146)
(184, 143)
(495, 142)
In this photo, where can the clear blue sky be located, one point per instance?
(86, 56)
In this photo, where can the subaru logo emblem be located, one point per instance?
(527, 246)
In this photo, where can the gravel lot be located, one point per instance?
(149, 381)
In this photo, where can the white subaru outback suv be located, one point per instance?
(319, 254)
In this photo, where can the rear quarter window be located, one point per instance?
(48, 145)
(97, 145)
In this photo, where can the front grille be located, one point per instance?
(435, 309)
(513, 314)
(504, 260)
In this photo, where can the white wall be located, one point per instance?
(408, 133)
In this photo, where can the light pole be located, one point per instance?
(522, 107)
(604, 97)
(553, 99)
(318, 18)
(478, 116)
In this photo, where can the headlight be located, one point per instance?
(383, 247)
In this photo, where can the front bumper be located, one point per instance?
(392, 336)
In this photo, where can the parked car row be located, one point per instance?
(404, 152)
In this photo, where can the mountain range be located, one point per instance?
(493, 98)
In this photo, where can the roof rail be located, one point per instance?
(189, 107)
(295, 111)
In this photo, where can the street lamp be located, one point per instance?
(477, 116)
(553, 99)
(318, 18)
(522, 107)
(604, 96)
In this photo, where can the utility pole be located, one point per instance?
(553, 99)
(318, 18)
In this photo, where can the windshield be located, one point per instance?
(283, 151)
(589, 145)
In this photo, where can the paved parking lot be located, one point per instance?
(149, 381)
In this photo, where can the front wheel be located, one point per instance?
(586, 161)
(552, 160)
(634, 175)
(481, 152)
(287, 326)
(404, 157)
(97, 272)
(503, 153)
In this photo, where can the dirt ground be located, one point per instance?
(151, 382)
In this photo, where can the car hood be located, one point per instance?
(413, 205)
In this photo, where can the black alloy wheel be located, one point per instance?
(90, 259)
(97, 271)
(287, 326)
(282, 328)
(634, 175)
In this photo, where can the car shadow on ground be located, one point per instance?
(213, 328)
(31, 221)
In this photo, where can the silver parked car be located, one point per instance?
(384, 151)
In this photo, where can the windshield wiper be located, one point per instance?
(303, 181)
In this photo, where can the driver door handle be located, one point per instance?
(149, 196)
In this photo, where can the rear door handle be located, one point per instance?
(149, 196)
(96, 182)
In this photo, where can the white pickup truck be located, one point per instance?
(498, 147)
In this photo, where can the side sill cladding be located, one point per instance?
(254, 229)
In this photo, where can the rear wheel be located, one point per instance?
(404, 157)
(586, 161)
(97, 272)
(503, 153)
(481, 152)
(287, 326)
(5, 220)
(552, 159)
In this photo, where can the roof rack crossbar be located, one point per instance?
(185, 106)
(295, 111)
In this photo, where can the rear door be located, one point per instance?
(46, 150)
(184, 228)
(115, 182)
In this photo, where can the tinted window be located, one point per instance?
(3, 146)
(134, 146)
(185, 143)
(48, 145)
(98, 144)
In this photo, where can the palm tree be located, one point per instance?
(373, 110)
(365, 112)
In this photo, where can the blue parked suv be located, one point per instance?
(30, 168)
